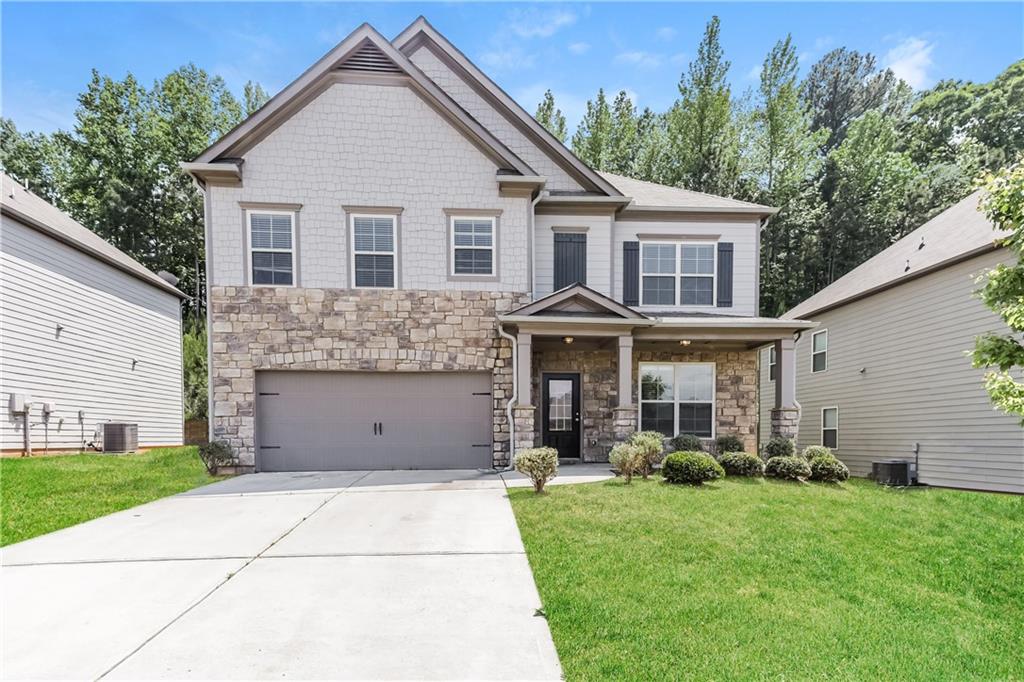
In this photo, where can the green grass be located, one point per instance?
(753, 579)
(43, 494)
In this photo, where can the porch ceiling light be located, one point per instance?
(684, 342)
(567, 339)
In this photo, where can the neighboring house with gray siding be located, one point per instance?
(406, 270)
(886, 375)
(87, 334)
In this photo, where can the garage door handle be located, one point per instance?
(380, 427)
(375, 428)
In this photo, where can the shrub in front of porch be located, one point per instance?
(539, 464)
(812, 452)
(728, 442)
(742, 464)
(777, 446)
(627, 460)
(651, 445)
(691, 467)
(687, 442)
(790, 468)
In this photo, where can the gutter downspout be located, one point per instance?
(533, 242)
(512, 402)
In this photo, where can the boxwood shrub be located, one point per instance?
(728, 442)
(687, 442)
(813, 451)
(792, 468)
(778, 446)
(742, 464)
(691, 467)
(828, 469)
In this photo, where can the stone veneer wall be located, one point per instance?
(257, 328)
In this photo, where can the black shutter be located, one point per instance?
(724, 274)
(570, 259)
(631, 273)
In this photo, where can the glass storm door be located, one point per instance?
(561, 414)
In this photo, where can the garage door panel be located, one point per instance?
(317, 421)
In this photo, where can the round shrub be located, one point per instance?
(627, 460)
(215, 455)
(742, 464)
(779, 447)
(812, 452)
(652, 446)
(728, 442)
(828, 469)
(539, 464)
(792, 468)
(687, 442)
(691, 467)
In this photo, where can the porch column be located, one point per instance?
(524, 414)
(624, 420)
(785, 414)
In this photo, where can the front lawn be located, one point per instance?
(44, 494)
(754, 579)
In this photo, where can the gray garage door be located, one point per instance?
(319, 421)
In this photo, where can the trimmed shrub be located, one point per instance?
(812, 452)
(691, 467)
(626, 459)
(778, 447)
(828, 469)
(539, 464)
(651, 445)
(792, 468)
(216, 455)
(742, 464)
(687, 442)
(728, 442)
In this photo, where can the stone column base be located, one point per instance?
(624, 422)
(524, 417)
(785, 422)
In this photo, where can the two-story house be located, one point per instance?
(406, 270)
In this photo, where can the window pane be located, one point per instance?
(830, 418)
(818, 362)
(375, 271)
(697, 291)
(699, 260)
(374, 234)
(473, 232)
(659, 291)
(270, 231)
(656, 382)
(658, 258)
(695, 418)
(473, 262)
(271, 268)
(657, 417)
(820, 341)
(830, 438)
(695, 382)
(560, 405)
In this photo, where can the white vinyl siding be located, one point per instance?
(373, 251)
(678, 398)
(108, 319)
(472, 246)
(271, 248)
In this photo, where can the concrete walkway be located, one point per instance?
(346, 575)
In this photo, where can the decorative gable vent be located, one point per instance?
(368, 57)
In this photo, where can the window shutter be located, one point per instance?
(631, 273)
(724, 274)
(570, 260)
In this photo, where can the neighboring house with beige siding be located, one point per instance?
(87, 334)
(885, 375)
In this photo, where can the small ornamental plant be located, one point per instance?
(687, 442)
(540, 465)
(812, 452)
(627, 460)
(215, 455)
(651, 445)
(694, 468)
(777, 446)
(728, 442)
(742, 464)
(789, 468)
(828, 469)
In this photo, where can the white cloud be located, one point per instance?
(823, 42)
(579, 48)
(507, 59)
(639, 58)
(910, 60)
(754, 73)
(536, 23)
(678, 59)
(665, 33)
(38, 108)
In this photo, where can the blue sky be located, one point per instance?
(48, 49)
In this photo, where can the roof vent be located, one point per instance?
(369, 57)
(907, 268)
(921, 245)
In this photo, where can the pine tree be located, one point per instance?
(551, 117)
(592, 140)
(623, 141)
(253, 97)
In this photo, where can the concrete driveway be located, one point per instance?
(357, 575)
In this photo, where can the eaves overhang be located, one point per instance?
(217, 173)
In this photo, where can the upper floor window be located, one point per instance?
(678, 398)
(272, 247)
(373, 251)
(819, 351)
(772, 363)
(677, 274)
(472, 244)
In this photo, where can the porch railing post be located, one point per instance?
(625, 371)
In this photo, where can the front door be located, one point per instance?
(561, 414)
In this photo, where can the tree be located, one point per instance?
(253, 97)
(623, 139)
(703, 139)
(652, 154)
(592, 140)
(551, 117)
(193, 356)
(34, 159)
(1003, 293)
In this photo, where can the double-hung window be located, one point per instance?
(373, 251)
(819, 351)
(678, 398)
(674, 274)
(772, 363)
(830, 427)
(472, 244)
(272, 247)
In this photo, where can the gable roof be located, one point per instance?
(420, 31)
(652, 196)
(363, 50)
(577, 299)
(22, 205)
(958, 233)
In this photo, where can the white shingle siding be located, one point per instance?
(918, 385)
(369, 145)
(599, 250)
(109, 318)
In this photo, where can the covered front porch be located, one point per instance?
(590, 371)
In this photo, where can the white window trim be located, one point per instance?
(773, 364)
(675, 400)
(820, 352)
(836, 429)
(492, 248)
(249, 212)
(677, 294)
(353, 252)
